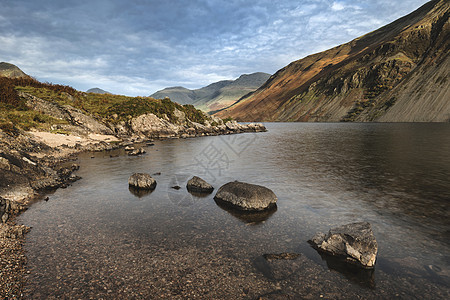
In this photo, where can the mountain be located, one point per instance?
(216, 95)
(97, 91)
(398, 73)
(11, 71)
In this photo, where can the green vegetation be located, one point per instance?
(105, 107)
(227, 120)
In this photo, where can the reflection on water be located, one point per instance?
(95, 239)
(363, 277)
(250, 217)
(139, 192)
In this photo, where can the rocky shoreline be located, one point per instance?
(34, 162)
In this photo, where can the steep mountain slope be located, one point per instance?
(97, 91)
(11, 71)
(396, 73)
(216, 95)
(229, 94)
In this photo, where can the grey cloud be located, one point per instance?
(136, 47)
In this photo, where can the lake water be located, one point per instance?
(98, 239)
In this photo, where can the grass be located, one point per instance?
(105, 107)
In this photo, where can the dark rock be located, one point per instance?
(176, 187)
(354, 242)
(157, 173)
(142, 181)
(3, 210)
(198, 185)
(246, 196)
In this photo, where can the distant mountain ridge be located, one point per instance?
(97, 91)
(398, 73)
(216, 95)
(11, 71)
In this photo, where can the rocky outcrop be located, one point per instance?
(142, 181)
(72, 115)
(246, 196)
(150, 126)
(354, 242)
(7, 208)
(198, 185)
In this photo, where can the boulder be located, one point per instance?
(142, 181)
(354, 242)
(198, 185)
(246, 196)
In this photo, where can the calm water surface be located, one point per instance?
(98, 239)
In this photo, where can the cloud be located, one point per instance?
(337, 6)
(136, 47)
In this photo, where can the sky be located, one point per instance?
(136, 47)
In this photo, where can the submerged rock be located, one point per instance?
(280, 266)
(136, 152)
(198, 185)
(246, 196)
(142, 181)
(354, 242)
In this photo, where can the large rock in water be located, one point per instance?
(198, 185)
(354, 242)
(246, 196)
(142, 181)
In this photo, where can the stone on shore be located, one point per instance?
(142, 181)
(246, 196)
(198, 185)
(354, 242)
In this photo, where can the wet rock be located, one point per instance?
(246, 196)
(142, 181)
(137, 152)
(198, 185)
(354, 242)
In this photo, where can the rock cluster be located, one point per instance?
(246, 196)
(354, 242)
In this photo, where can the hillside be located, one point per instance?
(396, 73)
(216, 95)
(11, 71)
